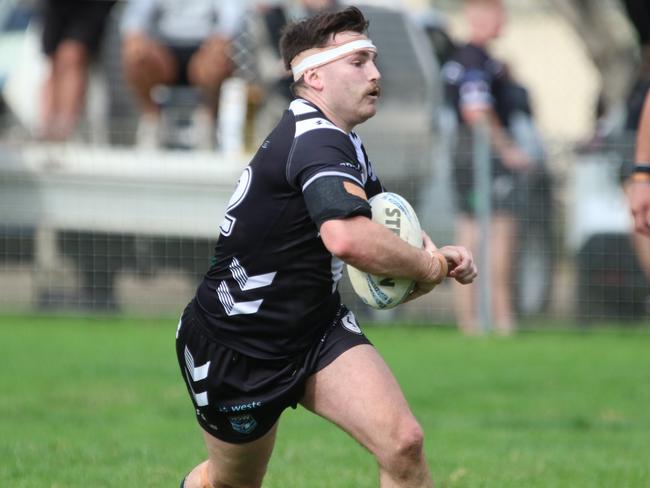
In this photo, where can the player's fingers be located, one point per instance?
(467, 275)
(453, 255)
(466, 271)
(462, 259)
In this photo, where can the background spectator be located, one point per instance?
(72, 32)
(480, 89)
(173, 42)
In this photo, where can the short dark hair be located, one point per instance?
(316, 31)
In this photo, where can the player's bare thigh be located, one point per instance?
(359, 393)
(233, 464)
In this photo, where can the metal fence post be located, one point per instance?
(482, 188)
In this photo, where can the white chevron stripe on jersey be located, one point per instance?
(236, 308)
(300, 107)
(307, 125)
(246, 282)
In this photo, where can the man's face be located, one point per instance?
(487, 20)
(351, 84)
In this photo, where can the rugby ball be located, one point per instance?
(395, 213)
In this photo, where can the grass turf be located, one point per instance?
(99, 402)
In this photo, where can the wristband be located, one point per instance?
(642, 168)
(639, 177)
(444, 269)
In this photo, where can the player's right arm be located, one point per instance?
(373, 248)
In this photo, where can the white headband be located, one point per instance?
(323, 57)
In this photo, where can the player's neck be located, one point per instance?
(324, 107)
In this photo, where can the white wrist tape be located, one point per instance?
(323, 56)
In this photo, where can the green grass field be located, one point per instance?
(100, 403)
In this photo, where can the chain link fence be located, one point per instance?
(96, 226)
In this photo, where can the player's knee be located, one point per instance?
(405, 451)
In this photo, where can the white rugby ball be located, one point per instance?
(395, 213)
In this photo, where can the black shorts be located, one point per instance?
(78, 20)
(503, 191)
(182, 55)
(503, 181)
(238, 398)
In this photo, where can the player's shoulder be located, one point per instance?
(313, 126)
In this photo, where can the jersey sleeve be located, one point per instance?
(320, 153)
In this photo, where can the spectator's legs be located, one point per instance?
(501, 250)
(464, 299)
(64, 90)
(642, 249)
(47, 114)
(147, 64)
(207, 69)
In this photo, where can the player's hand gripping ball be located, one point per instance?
(395, 213)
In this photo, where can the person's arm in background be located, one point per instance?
(638, 184)
(511, 155)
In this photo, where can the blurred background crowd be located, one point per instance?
(124, 125)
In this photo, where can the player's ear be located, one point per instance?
(312, 78)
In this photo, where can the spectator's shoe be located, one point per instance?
(148, 133)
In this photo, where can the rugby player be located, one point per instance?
(267, 329)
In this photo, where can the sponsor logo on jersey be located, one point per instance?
(350, 323)
(244, 424)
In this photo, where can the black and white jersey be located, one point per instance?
(273, 285)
